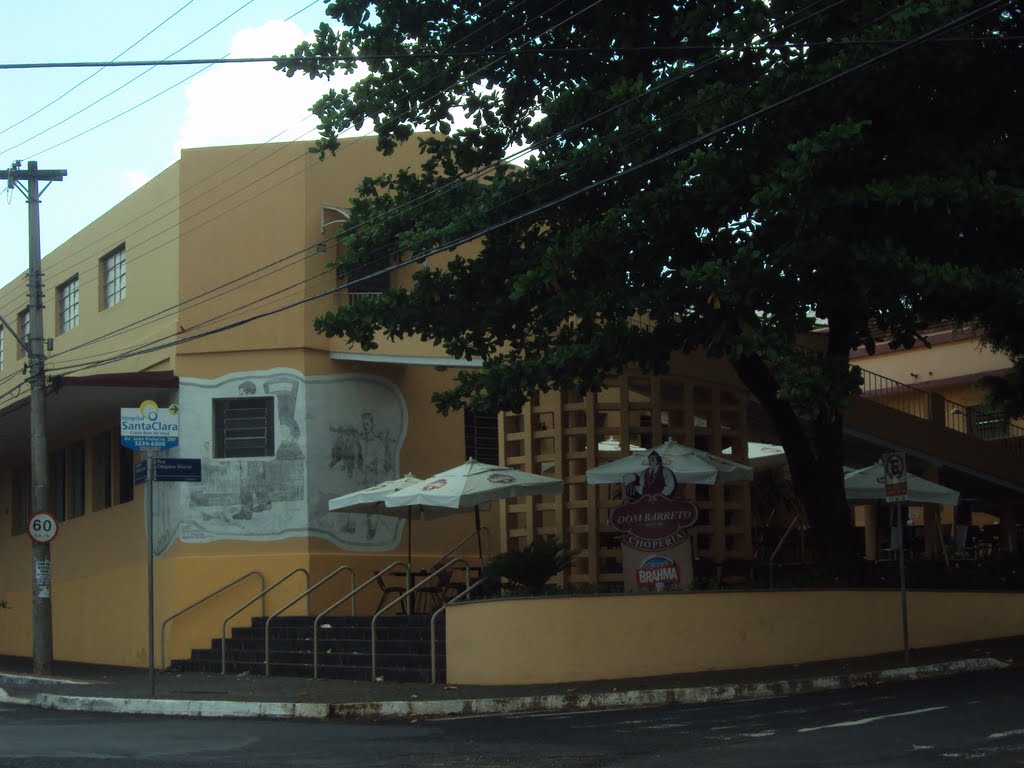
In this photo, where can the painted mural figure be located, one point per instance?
(255, 493)
(285, 390)
(657, 479)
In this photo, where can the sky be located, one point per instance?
(109, 151)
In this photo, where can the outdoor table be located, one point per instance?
(424, 600)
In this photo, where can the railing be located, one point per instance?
(485, 549)
(286, 606)
(411, 592)
(263, 609)
(771, 560)
(925, 404)
(433, 621)
(350, 595)
(202, 600)
(896, 395)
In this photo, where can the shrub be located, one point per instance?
(531, 567)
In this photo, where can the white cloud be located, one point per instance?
(251, 103)
(131, 180)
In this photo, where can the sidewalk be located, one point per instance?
(85, 687)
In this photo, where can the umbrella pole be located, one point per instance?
(479, 544)
(408, 569)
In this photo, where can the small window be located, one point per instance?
(365, 279)
(24, 329)
(243, 426)
(989, 423)
(482, 437)
(113, 271)
(67, 305)
(2, 347)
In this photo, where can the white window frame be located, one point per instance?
(67, 305)
(114, 270)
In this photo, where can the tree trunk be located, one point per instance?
(815, 457)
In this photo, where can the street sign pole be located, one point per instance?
(895, 464)
(898, 508)
(149, 567)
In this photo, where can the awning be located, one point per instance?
(76, 405)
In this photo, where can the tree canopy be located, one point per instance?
(676, 175)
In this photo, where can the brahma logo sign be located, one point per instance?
(499, 479)
(654, 523)
(658, 572)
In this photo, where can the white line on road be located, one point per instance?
(1005, 734)
(866, 720)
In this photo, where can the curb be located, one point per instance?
(411, 710)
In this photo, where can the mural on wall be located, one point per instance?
(331, 435)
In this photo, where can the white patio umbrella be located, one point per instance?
(471, 484)
(868, 484)
(688, 465)
(372, 500)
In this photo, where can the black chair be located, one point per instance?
(388, 592)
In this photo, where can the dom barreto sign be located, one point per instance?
(149, 427)
(657, 552)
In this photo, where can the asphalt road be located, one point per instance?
(974, 718)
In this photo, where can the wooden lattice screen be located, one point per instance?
(562, 435)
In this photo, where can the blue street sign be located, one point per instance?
(178, 470)
(140, 472)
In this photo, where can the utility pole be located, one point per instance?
(42, 616)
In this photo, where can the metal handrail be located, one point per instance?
(263, 609)
(408, 593)
(355, 590)
(483, 529)
(433, 619)
(918, 402)
(771, 560)
(200, 602)
(286, 606)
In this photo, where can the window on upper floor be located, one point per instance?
(24, 329)
(114, 277)
(67, 305)
(243, 426)
(2, 347)
(482, 437)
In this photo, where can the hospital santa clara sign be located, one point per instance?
(149, 427)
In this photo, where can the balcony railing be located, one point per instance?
(979, 421)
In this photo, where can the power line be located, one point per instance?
(613, 177)
(365, 57)
(86, 79)
(177, 224)
(192, 302)
(119, 88)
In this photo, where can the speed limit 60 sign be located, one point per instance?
(42, 527)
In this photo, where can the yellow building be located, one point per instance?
(200, 289)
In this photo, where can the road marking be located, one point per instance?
(866, 720)
(1005, 734)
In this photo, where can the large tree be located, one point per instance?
(727, 176)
